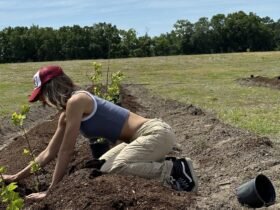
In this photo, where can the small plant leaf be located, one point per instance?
(26, 151)
(34, 167)
(12, 186)
(18, 203)
(2, 169)
(18, 119)
(25, 109)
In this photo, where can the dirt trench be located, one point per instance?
(224, 158)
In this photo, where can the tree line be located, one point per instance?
(235, 32)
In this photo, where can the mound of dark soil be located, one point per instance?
(224, 158)
(261, 81)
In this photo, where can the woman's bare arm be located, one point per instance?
(74, 113)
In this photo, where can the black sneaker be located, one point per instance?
(182, 176)
(94, 163)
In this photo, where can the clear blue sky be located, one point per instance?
(145, 16)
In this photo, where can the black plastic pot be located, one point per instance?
(257, 192)
(98, 148)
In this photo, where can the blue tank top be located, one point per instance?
(106, 120)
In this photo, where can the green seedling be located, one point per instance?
(8, 195)
(18, 120)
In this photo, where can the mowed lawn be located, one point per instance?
(207, 81)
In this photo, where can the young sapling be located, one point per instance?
(18, 120)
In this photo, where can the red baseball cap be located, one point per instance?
(42, 76)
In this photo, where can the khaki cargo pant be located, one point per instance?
(145, 155)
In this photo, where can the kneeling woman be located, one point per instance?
(146, 142)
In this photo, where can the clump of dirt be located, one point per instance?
(224, 158)
(261, 81)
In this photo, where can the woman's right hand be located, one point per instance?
(9, 178)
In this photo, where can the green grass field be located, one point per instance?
(207, 81)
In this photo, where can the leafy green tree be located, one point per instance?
(3, 47)
(128, 43)
(183, 30)
(48, 46)
(105, 40)
(145, 47)
(17, 43)
(218, 36)
(74, 42)
(247, 32)
(162, 45)
(275, 28)
(167, 44)
(201, 38)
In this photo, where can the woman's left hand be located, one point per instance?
(36, 196)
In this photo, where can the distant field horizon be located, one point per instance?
(207, 81)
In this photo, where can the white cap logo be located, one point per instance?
(37, 80)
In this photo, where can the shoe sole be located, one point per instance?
(194, 177)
